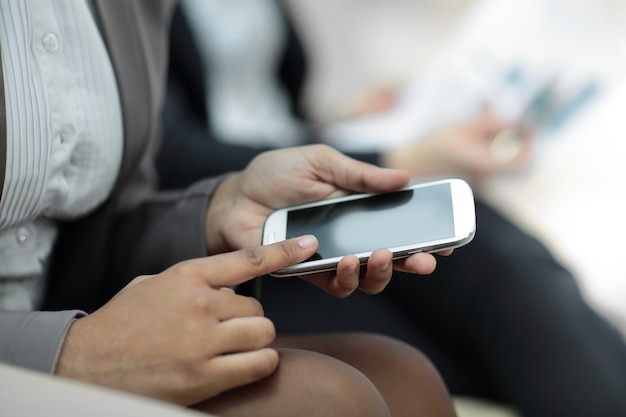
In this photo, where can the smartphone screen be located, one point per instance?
(383, 221)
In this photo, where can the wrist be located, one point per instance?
(221, 205)
(70, 363)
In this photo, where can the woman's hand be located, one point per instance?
(473, 150)
(298, 175)
(183, 335)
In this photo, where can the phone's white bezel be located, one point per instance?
(275, 229)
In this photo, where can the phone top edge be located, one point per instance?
(461, 183)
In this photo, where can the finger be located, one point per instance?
(347, 277)
(234, 370)
(224, 304)
(420, 263)
(340, 283)
(350, 174)
(241, 334)
(378, 272)
(233, 268)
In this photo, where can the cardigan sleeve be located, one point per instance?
(34, 339)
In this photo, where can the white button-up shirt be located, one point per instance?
(64, 133)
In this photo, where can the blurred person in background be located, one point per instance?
(501, 319)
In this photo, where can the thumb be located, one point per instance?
(233, 268)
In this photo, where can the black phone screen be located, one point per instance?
(388, 220)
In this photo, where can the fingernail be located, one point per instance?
(385, 267)
(308, 241)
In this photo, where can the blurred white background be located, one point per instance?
(449, 55)
(358, 45)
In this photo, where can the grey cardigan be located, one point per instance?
(137, 230)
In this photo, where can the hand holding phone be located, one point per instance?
(428, 217)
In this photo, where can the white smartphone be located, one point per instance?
(426, 217)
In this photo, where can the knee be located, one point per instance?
(406, 379)
(376, 352)
(305, 384)
(324, 386)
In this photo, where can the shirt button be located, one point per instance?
(23, 235)
(66, 133)
(50, 42)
